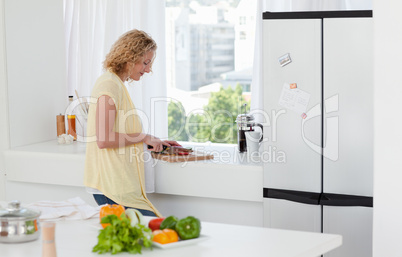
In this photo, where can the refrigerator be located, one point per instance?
(318, 137)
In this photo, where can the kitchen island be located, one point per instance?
(76, 238)
(227, 189)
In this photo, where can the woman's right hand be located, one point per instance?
(156, 143)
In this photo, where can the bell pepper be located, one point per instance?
(188, 228)
(165, 236)
(169, 222)
(110, 209)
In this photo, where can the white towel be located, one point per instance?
(71, 209)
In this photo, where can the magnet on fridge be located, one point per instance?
(293, 86)
(304, 115)
(285, 59)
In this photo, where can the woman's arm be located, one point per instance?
(107, 138)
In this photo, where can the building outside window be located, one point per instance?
(210, 49)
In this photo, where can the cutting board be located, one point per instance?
(194, 156)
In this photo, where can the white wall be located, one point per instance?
(4, 139)
(35, 64)
(32, 61)
(36, 67)
(387, 128)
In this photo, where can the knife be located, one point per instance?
(173, 149)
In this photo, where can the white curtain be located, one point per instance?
(288, 6)
(91, 27)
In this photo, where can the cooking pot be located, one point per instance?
(18, 224)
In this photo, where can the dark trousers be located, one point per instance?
(102, 199)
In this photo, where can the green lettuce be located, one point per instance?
(120, 236)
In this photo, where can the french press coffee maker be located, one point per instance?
(245, 122)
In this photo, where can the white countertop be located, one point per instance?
(230, 175)
(52, 147)
(223, 153)
(76, 238)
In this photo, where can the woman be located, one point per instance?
(114, 166)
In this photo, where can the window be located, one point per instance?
(210, 49)
(243, 35)
(242, 20)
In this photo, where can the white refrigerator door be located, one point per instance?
(348, 97)
(285, 214)
(292, 152)
(355, 226)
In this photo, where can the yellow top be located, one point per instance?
(117, 172)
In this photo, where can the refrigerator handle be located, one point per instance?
(325, 199)
(292, 195)
(328, 199)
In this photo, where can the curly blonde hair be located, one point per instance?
(130, 47)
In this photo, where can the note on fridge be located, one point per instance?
(294, 99)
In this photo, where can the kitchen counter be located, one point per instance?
(230, 175)
(76, 238)
(47, 162)
(230, 184)
(64, 165)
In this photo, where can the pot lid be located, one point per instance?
(15, 211)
